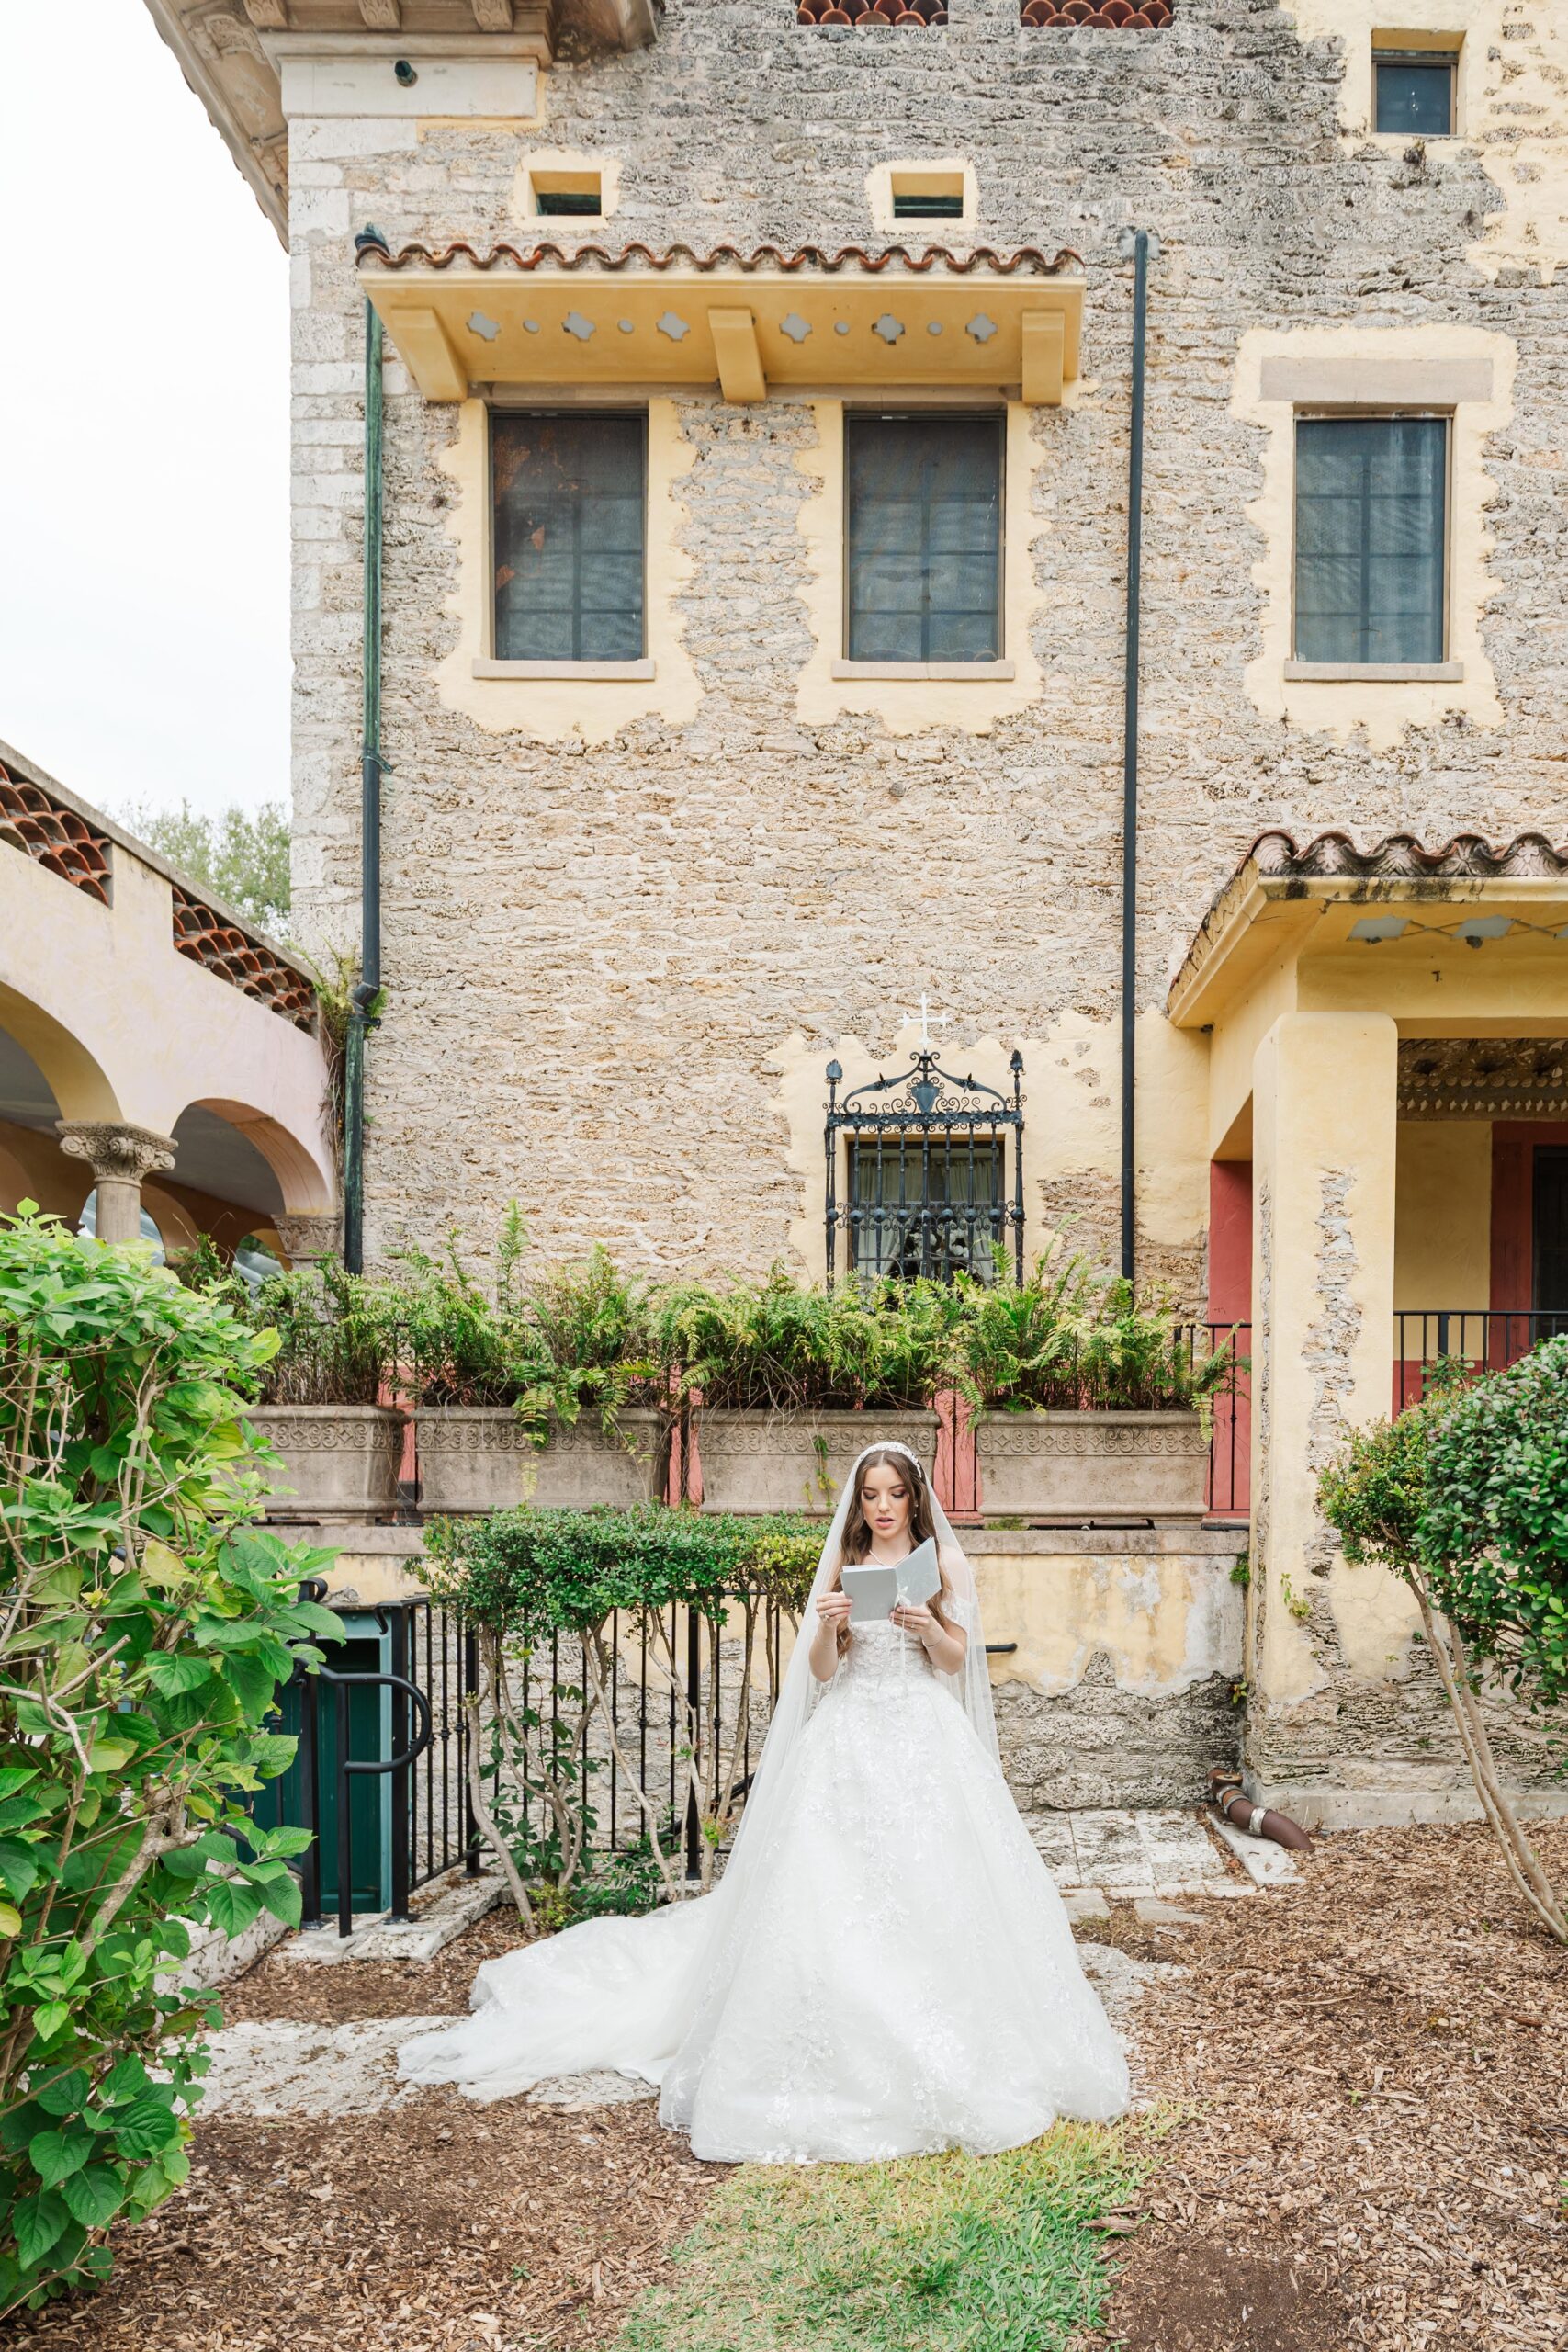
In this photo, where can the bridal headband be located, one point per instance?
(891, 1445)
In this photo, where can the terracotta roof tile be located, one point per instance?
(1400, 857)
(984, 261)
(872, 12)
(1099, 16)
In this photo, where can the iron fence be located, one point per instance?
(1487, 1339)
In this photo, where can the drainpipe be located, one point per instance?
(1138, 243)
(362, 1016)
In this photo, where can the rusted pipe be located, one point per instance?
(1231, 1802)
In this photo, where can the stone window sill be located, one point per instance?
(1376, 673)
(588, 672)
(927, 673)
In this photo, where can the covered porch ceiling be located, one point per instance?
(1464, 941)
(547, 318)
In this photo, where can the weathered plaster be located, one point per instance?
(905, 706)
(1164, 1624)
(1443, 1215)
(1512, 107)
(1381, 711)
(556, 710)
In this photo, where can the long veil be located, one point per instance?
(643, 1995)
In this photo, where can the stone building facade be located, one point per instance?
(629, 918)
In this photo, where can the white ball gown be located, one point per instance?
(885, 1969)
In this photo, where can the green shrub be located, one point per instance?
(528, 1579)
(1071, 1338)
(787, 1345)
(553, 1345)
(1462, 1495)
(144, 1630)
(336, 1336)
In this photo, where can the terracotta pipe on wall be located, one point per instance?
(1231, 1801)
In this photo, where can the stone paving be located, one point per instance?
(1153, 1855)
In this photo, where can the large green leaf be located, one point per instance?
(54, 2154)
(95, 2195)
(65, 2094)
(145, 2128)
(37, 2225)
(231, 1905)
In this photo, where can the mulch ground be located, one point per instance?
(1376, 2153)
(1372, 2153)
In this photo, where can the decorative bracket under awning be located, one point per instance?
(463, 321)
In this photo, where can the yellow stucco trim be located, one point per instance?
(553, 710)
(921, 175)
(1071, 1114)
(565, 167)
(1382, 710)
(903, 705)
(1510, 105)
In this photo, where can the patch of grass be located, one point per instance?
(935, 2254)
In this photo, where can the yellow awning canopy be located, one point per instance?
(461, 325)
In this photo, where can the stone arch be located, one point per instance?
(295, 1180)
(81, 1086)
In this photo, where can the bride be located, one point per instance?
(886, 1967)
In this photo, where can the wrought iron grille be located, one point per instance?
(926, 1184)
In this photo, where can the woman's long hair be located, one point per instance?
(857, 1527)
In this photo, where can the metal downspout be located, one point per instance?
(362, 1016)
(1140, 252)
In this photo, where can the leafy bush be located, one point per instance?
(336, 1336)
(1463, 1496)
(1070, 1338)
(144, 1630)
(552, 1345)
(789, 1347)
(526, 1579)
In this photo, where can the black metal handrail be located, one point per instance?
(344, 1765)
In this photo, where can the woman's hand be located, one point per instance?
(915, 1617)
(833, 1608)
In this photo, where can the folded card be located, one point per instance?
(873, 1586)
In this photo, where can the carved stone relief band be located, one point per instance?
(121, 1157)
(310, 1235)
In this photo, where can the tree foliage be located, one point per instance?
(241, 854)
(1464, 1497)
(144, 1630)
(528, 1579)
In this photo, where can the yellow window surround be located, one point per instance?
(463, 323)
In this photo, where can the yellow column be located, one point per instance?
(1324, 1105)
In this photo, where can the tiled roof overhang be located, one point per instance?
(1330, 871)
(463, 320)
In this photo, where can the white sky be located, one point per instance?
(143, 425)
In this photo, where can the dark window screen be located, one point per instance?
(1550, 1231)
(569, 537)
(1415, 95)
(924, 526)
(1369, 537)
(934, 1207)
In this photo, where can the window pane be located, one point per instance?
(569, 537)
(924, 532)
(935, 1208)
(1416, 97)
(1371, 535)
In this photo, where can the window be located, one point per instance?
(568, 499)
(1371, 535)
(927, 195)
(923, 1158)
(923, 529)
(567, 195)
(1416, 91)
(926, 1208)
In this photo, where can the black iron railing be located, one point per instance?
(1486, 1340)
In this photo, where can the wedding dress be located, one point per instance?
(886, 1967)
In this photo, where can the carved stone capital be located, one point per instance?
(310, 1235)
(116, 1154)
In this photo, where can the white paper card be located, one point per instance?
(874, 1587)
